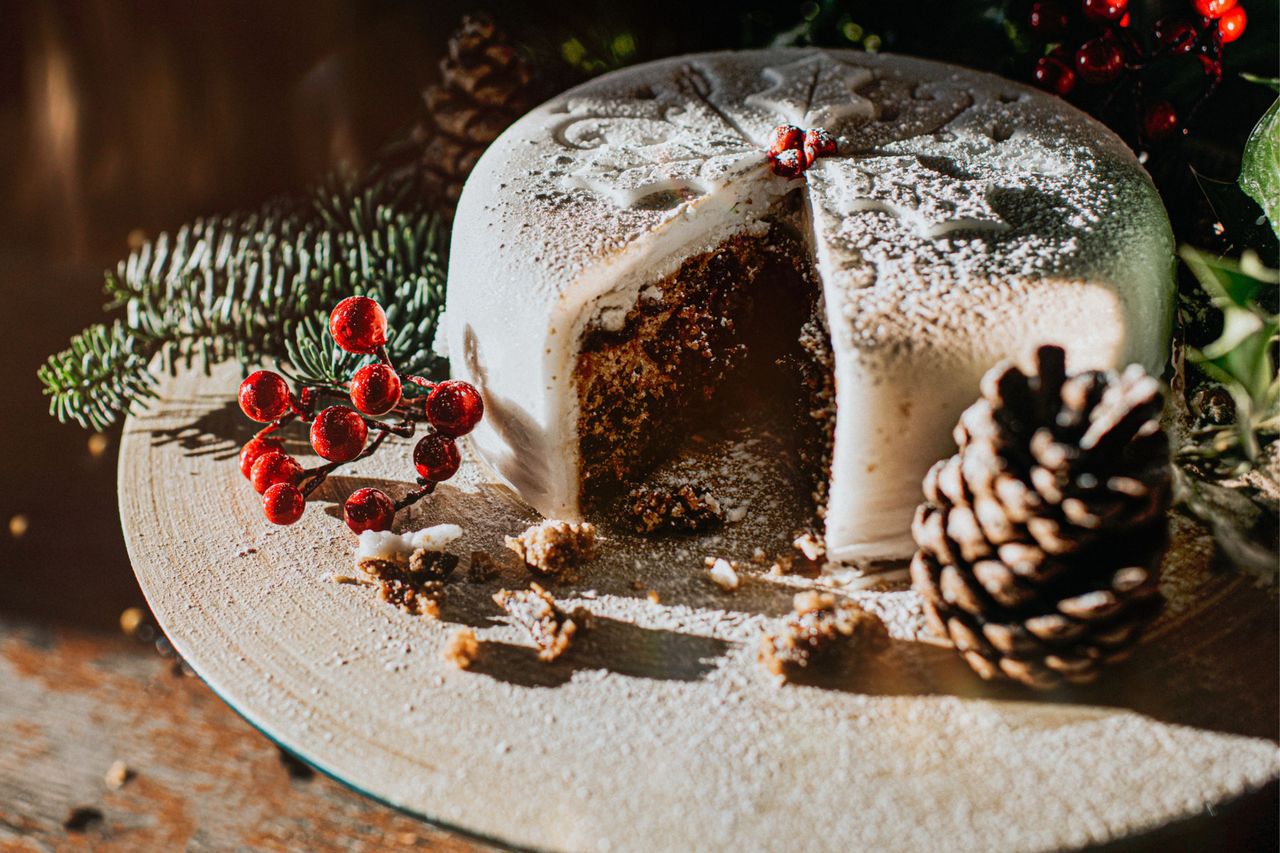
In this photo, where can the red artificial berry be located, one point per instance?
(1213, 8)
(818, 143)
(1047, 19)
(358, 325)
(375, 389)
(1177, 35)
(436, 457)
(368, 509)
(785, 137)
(273, 468)
(1160, 120)
(1054, 75)
(788, 164)
(454, 407)
(283, 503)
(264, 396)
(1126, 20)
(1231, 24)
(1104, 11)
(255, 447)
(338, 434)
(1099, 60)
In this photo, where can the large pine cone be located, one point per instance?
(1040, 540)
(484, 86)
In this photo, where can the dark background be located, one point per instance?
(121, 119)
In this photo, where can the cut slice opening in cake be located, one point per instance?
(739, 329)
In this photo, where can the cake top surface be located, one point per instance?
(943, 175)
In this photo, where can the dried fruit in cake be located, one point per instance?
(818, 626)
(553, 546)
(534, 610)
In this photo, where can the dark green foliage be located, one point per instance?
(258, 287)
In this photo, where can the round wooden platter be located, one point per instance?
(658, 729)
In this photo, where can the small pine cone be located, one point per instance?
(485, 85)
(686, 509)
(1040, 541)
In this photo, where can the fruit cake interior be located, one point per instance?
(737, 328)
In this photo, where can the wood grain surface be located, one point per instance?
(73, 702)
(659, 730)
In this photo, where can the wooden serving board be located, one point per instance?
(658, 729)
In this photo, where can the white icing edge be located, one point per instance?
(385, 545)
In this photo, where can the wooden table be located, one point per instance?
(73, 702)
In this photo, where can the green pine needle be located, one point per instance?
(258, 287)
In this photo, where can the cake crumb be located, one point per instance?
(757, 556)
(816, 626)
(782, 565)
(482, 567)
(553, 546)
(462, 648)
(533, 609)
(723, 574)
(117, 775)
(415, 586)
(654, 597)
(684, 509)
(811, 546)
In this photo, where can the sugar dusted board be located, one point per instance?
(659, 730)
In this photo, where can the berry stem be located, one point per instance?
(426, 488)
(404, 430)
(274, 425)
(421, 382)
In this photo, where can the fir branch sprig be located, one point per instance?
(258, 286)
(102, 373)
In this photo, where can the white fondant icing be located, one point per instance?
(965, 219)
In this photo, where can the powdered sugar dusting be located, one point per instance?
(964, 219)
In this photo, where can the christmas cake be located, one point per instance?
(625, 250)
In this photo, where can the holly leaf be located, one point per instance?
(1260, 165)
(1241, 358)
(1272, 83)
